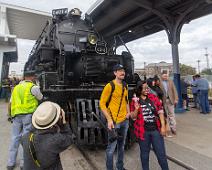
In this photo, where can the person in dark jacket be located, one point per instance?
(151, 84)
(51, 136)
(184, 86)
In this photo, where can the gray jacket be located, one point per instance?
(48, 144)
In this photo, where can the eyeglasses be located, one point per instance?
(145, 88)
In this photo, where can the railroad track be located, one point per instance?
(94, 166)
(180, 163)
(87, 158)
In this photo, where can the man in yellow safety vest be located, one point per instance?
(23, 102)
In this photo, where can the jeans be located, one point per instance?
(195, 99)
(122, 128)
(198, 101)
(204, 101)
(155, 139)
(21, 125)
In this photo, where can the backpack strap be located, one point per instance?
(32, 150)
(122, 94)
(126, 87)
(111, 93)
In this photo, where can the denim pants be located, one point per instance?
(122, 128)
(204, 101)
(155, 139)
(22, 124)
(195, 99)
(198, 101)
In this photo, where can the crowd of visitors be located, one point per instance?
(200, 90)
(6, 87)
(151, 109)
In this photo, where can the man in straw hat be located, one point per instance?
(23, 102)
(51, 136)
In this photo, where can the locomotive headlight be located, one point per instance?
(92, 39)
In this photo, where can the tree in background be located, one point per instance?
(187, 70)
(206, 71)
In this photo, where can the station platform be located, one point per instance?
(192, 146)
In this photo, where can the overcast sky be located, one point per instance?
(195, 37)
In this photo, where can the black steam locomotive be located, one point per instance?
(73, 63)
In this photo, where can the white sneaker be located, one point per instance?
(169, 136)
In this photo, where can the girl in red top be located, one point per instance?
(149, 126)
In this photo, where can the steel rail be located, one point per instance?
(170, 158)
(180, 163)
(85, 155)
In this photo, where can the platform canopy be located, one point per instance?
(25, 23)
(133, 19)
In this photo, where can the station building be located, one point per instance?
(17, 23)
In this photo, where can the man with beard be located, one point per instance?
(115, 107)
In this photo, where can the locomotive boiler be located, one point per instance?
(73, 62)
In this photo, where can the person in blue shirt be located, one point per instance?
(203, 88)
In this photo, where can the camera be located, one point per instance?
(114, 134)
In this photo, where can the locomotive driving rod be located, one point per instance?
(98, 119)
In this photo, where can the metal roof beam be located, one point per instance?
(109, 4)
(126, 22)
(153, 7)
(140, 29)
(133, 18)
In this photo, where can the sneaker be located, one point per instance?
(174, 132)
(169, 136)
(10, 167)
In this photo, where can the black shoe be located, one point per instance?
(21, 168)
(10, 167)
(174, 132)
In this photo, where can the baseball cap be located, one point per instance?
(118, 67)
